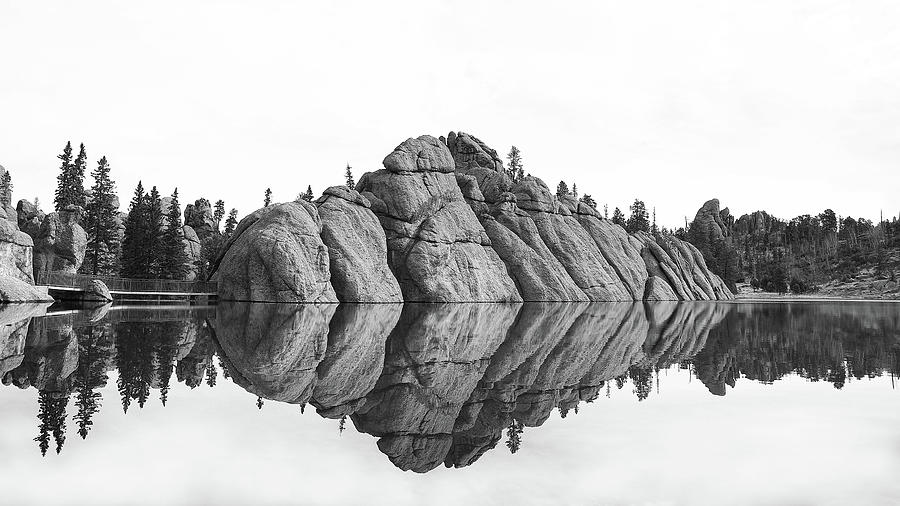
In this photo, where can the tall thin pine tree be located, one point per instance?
(100, 223)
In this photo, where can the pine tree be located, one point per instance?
(587, 200)
(79, 167)
(6, 188)
(308, 194)
(267, 200)
(211, 373)
(515, 169)
(562, 189)
(219, 213)
(638, 221)
(100, 223)
(52, 415)
(155, 223)
(134, 251)
(63, 195)
(653, 228)
(618, 217)
(514, 436)
(575, 190)
(174, 259)
(348, 175)
(231, 223)
(605, 211)
(90, 375)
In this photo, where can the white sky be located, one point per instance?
(790, 107)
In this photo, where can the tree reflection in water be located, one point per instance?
(436, 384)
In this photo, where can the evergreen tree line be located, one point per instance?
(799, 254)
(100, 205)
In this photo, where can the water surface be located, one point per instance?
(673, 403)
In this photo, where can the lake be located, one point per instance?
(662, 403)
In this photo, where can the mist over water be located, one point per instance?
(625, 402)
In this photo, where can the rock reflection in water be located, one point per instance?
(434, 383)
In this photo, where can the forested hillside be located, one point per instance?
(822, 253)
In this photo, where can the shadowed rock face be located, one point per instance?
(435, 357)
(354, 357)
(275, 347)
(357, 248)
(437, 249)
(276, 255)
(14, 322)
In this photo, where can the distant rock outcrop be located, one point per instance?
(357, 248)
(199, 216)
(29, 218)
(437, 249)
(277, 255)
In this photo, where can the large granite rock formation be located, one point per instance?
(60, 244)
(276, 255)
(16, 258)
(443, 222)
(559, 249)
(437, 249)
(357, 248)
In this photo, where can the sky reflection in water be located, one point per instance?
(537, 403)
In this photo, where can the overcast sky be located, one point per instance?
(790, 107)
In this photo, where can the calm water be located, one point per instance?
(696, 403)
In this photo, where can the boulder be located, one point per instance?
(98, 292)
(61, 243)
(15, 290)
(276, 255)
(437, 249)
(357, 248)
(200, 217)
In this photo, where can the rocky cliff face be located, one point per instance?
(16, 258)
(438, 250)
(453, 227)
(357, 248)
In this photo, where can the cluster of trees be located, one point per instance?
(150, 243)
(799, 254)
(100, 205)
(152, 247)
